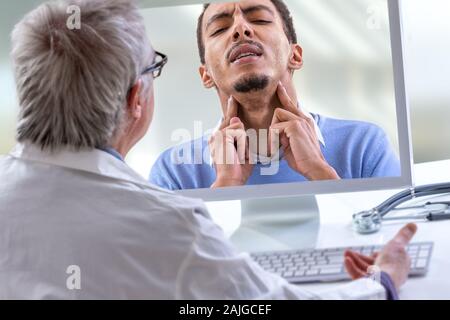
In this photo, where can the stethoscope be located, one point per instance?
(370, 221)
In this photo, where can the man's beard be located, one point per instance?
(251, 83)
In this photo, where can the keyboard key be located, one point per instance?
(421, 263)
(277, 264)
(328, 271)
(312, 272)
(333, 254)
(302, 267)
(305, 255)
(335, 260)
(289, 264)
(299, 273)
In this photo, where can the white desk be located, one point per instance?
(335, 230)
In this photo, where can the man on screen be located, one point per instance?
(249, 53)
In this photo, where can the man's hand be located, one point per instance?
(229, 150)
(393, 259)
(298, 138)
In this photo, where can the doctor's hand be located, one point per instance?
(297, 135)
(393, 258)
(229, 150)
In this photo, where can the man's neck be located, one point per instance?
(256, 109)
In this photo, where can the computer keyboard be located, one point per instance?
(327, 265)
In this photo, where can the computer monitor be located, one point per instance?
(346, 62)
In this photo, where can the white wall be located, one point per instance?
(427, 29)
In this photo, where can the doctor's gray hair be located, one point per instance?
(73, 83)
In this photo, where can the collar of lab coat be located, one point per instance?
(266, 160)
(93, 161)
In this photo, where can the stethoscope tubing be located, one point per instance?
(413, 193)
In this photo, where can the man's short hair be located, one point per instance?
(282, 9)
(72, 83)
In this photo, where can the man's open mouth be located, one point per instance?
(245, 51)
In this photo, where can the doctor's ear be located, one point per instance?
(134, 107)
(207, 80)
(296, 58)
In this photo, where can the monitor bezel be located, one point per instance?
(341, 186)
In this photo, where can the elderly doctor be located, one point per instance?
(76, 222)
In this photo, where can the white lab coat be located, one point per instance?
(83, 225)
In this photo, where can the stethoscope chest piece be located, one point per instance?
(367, 222)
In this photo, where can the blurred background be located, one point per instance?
(347, 73)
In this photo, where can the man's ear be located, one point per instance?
(134, 107)
(207, 80)
(296, 58)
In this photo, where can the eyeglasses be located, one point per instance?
(157, 66)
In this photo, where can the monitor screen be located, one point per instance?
(264, 97)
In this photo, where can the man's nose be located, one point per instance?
(242, 30)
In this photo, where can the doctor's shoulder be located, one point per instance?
(160, 200)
